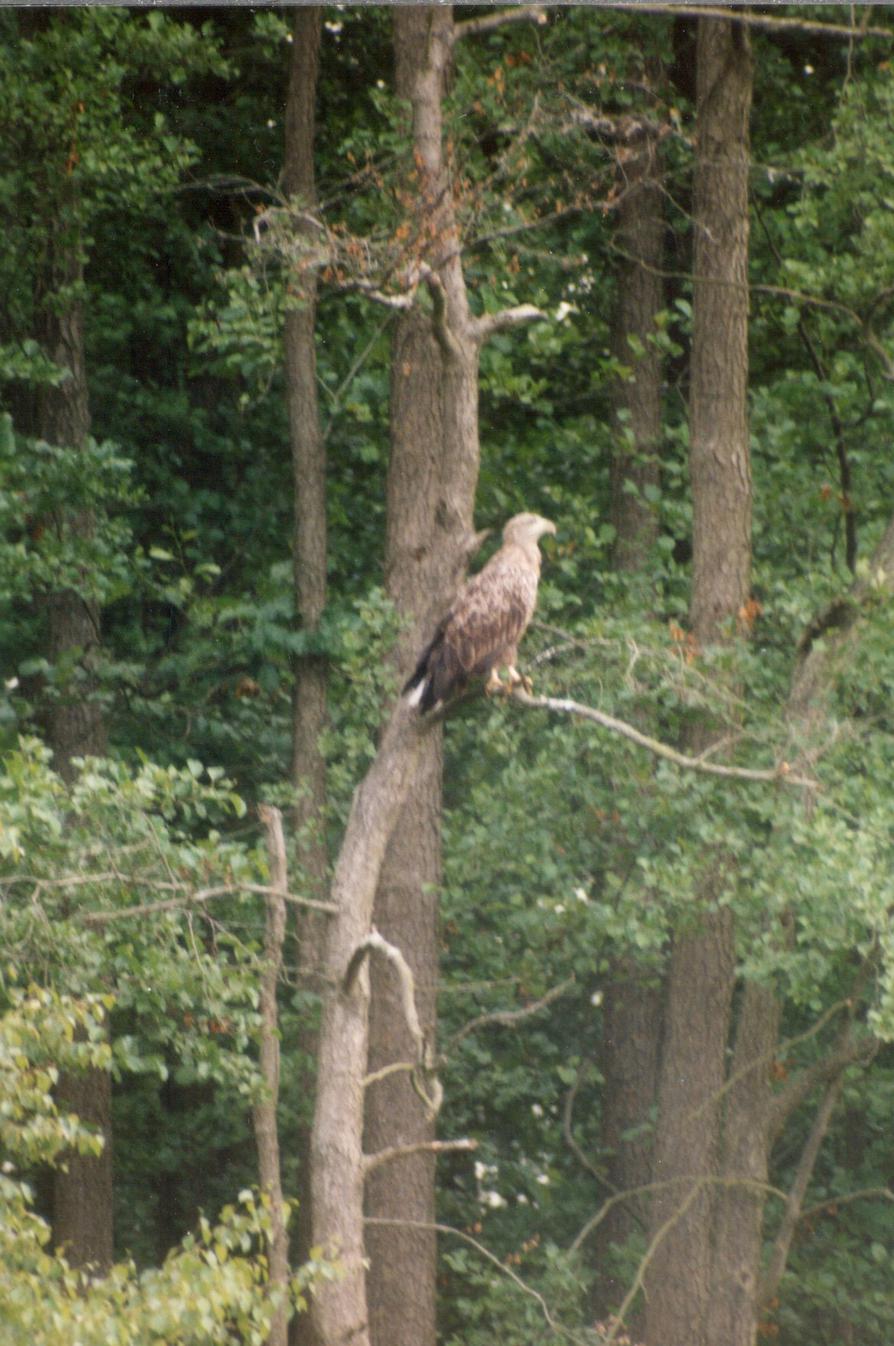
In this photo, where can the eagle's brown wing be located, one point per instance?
(481, 631)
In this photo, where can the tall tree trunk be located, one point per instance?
(309, 558)
(308, 470)
(420, 568)
(632, 1009)
(636, 398)
(682, 1274)
(402, 1260)
(264, 1111)
(438, 517)
(82, 1192)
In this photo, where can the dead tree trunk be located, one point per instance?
(703, 964)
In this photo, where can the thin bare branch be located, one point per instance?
(849, 1052)
(794, 1204)
(568, 1132)
(752, 19)
(498, 19)
(423, 1078)
(780, 775)
(483, 1252)
(377, 942)
(831, 1204)
(507, 1018)
(488, 323)
(189, 898)
(374, 1161)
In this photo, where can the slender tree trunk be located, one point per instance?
(308, 473)
(683, 1273)
(82, 1192)
(637, 397)
(264, 1112)
(309, 558)
(632, 1009)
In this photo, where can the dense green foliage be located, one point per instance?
(156, 138)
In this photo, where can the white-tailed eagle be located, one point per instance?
(481, 632)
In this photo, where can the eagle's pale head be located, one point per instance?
(525, 529)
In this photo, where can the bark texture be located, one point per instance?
(432, 474)
(632, 1011)
(339, 1310)
(430, 538)
(264, 1112)
(309, 554)
(308, 475)
(637, 397)
(402, 1260)
(75, 725)
(681, 1278)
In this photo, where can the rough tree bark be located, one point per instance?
(702, 969)
(636, 398)
(264, 1111)
(433, 472)
(308, 471)
(430, 540)
(75, 726)
(402, 1259)
(309, 694)
(631, 1013)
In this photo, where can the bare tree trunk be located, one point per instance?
(637, 397)
(308, 475)
(436, 517)
(264, 1112)
(309, 694)
(402, 1260)
(339, 1310)
(632, 1009)
(82, 1192)
(682, 1274)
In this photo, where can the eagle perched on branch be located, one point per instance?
(481, 632)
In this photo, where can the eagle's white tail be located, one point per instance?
(417, 693)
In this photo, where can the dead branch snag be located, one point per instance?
(499, 19)
(507, 1018)
(374, 1161)
(337, 1162)
(264, 1111)
(749, 18)
(423, 1078)
(782, 774)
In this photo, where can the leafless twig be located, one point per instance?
(757, 20)
(507, 1018)
(782, 774)
(387, 1156)
(498, 19)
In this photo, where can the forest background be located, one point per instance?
(296, 301)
